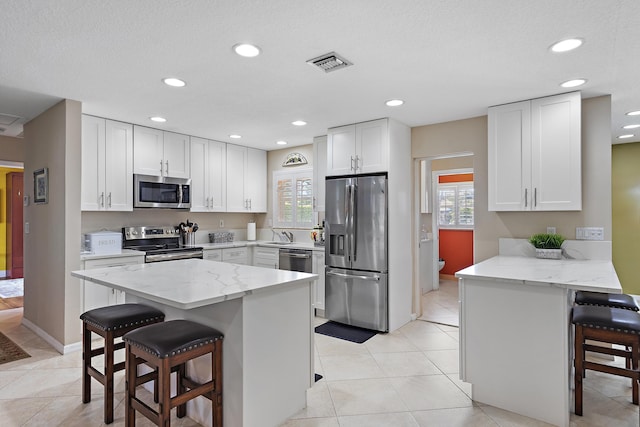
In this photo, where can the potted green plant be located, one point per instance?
(547, 246)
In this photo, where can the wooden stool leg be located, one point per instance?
(131, 373)
(635, 356)
(108, 377)
(164, 380)
(86, 362)
(579, 368)
(181, 389)
(216, 369)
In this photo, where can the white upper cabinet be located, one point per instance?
(319, 172)
(107, 165)
(208, 175)
(534, 155)
(246, 179)
(161, 153)
(358, 148)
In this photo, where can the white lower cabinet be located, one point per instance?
(212, 254)
(317, 267)
(266, 257)
(235, 255)
(94, 295)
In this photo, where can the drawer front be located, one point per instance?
(235, 255)
(212, 254)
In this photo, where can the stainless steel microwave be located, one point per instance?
(161, 192)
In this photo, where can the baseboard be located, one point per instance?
(59, 347)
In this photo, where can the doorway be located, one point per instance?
(11, 235)
(444, 222)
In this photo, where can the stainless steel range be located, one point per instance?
(158, 243)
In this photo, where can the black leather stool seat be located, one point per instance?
(608, 300)
(171, 338)
(609, 318)
(120, 316)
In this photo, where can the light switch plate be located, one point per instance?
(589, 233)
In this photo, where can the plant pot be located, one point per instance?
(549, 253)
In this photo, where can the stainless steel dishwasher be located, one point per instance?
(295, 260)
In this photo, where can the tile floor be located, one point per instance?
(441, 306)
(405, 378)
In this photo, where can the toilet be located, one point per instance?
(440, 264)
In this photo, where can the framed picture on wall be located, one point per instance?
(41, 186)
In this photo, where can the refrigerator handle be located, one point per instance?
(353, 276)
(354, 221)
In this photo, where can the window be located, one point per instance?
(455, 205)
(293, 199)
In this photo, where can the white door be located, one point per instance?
(341, 147)
(92, 184)
(372, 142)
(176, 155)
(148, 150)
(236, 161)
(256, 180)
(556, 154)
(509, 186)
(199, 174)
(118, 170)
(217, 159)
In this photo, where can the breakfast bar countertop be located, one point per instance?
(586, 275)
(191, 283)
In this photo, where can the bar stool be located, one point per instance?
(607, 300)
(166, 348)
(110, 323)
(611, 326)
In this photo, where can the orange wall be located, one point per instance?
(459, 177)
(456, 248)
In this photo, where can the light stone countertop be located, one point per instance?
(191, 283)
(585, 275)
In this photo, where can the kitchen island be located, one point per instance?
(266, 316)
(516, 341)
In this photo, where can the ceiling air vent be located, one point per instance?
(329, 62)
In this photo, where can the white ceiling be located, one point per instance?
(447, 60)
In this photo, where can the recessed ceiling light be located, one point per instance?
(633, 113)
(235, 136)
(281, 142)
(629, 135)
(574, 83)
(394, 102)
(299, 123)
(172, 81)
(566, 45)
(158, 119)
(247, 50)
(630, 126)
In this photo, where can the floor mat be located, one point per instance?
(10, 351)
(345, 332)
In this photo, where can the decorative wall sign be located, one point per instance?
(41, 186)
(295, 159)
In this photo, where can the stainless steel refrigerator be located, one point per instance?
(356, 272)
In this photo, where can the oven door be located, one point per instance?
(161, 192)
(159, 256)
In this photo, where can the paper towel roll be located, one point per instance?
(251, 231)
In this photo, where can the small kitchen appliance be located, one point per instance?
(103, 242)
(158, 243)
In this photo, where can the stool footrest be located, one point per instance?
(605, 350)
(614, 370)
(144, 409)
(202, 390)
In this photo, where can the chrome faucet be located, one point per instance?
(288, 235)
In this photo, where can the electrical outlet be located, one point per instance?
(551, 230)
(26, 228)
(222, 223)
(589, 233)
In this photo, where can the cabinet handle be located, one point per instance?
(526, 196)
(109, 199)
(102, 199)
(314, 204)
(249, 204)
(535, 197)
(160, 167)
(357, 159)
(352, 168)
(167, 163)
